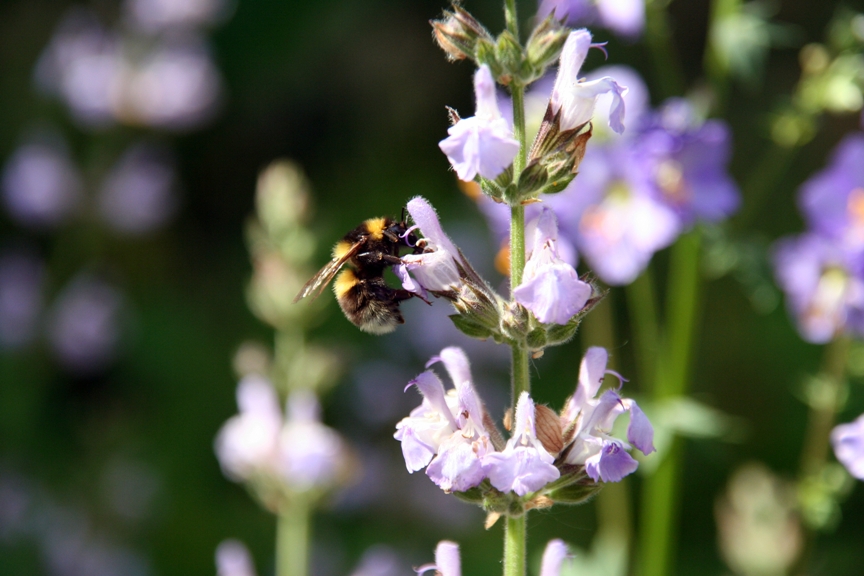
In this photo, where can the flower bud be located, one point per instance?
(509, 53)
(554, 158)
(576, 493)
(548, 426)
(458, 33)
(544, 45)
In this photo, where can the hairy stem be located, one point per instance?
(292, 538)
(514, 546)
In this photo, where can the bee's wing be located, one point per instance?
(319, 281)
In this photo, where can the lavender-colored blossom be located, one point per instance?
(824, 286)
(380, 560)
(310, 453)
(576, 98)
(481, 144)
(524, 465)
(832, 201)
(624, 17)
(445, 433)
(250, 441)
(553, 557)
(298, 451)
(550, 287)
(85, 324)
(154, 16)
(588, 422)
(21, 298)
(172, 84)
(41, 185)
(139, 193)
(621, 225)
(848, 442)
(233, 559)
(686, 159)
(436, 268)
(447, 560)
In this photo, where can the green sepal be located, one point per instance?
(472, 496)
(537, 339)
(577, 493)
(471, 328)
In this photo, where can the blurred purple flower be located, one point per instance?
(624, 17)
(832, 201)
(550, 287)
(524, 465)
(233, 559)
(22, 280)
(158, 15)
(591, 419)
(82, 65)
(576, 98)
(848, 442)
(298, 451)
(171, 85)
(824, 286)
(447, 560)
(686, 163)
(481, 144)
(139, 194)
(86, 324)
(553, 557)
(176, 86)
(380, 560)
(41, 185)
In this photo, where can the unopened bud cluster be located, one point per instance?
(462, 36)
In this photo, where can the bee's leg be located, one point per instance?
(402, 294)
(377, 258)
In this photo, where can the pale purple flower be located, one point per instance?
(298, 451)
(171, 83)
(139, 193)
(824, 286)
(82, 65)
(154, 16)
(445, 434)
(249, 442)
(447, 560)
(310, 454)
(436, 268)
(623, 225)
(41, 185)
(550, 287)
(176, 86)
(624, 17)
(553, 557)
(85, 324)
(832, 201)
(685, 159)
(22, 279)
(576, 98)
(524, 465)
(380, 560)
(848, 442)
(589, 422)
(481, 144)
(233, 559)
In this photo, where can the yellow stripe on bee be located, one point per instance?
(341, 248)
(344, 282)
(376, 226)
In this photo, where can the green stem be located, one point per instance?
(514, 546)
(659, 38)
(641, 302)
(292, 538)
(661, 490)
(520, 376)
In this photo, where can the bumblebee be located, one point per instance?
(366, 300)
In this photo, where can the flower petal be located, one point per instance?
(553, 557)
(640, 432)
(611, 464)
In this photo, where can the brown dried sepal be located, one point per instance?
(548, 427)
